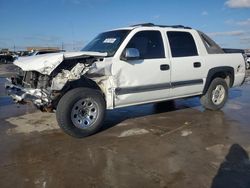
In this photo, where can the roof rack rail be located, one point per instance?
(144, 24)
(152, 25)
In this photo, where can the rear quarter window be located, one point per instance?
(211, 46)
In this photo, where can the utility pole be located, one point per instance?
(14, 48)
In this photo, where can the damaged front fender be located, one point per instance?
(44, 85)
(64, 76)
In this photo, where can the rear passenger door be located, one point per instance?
(187, 66)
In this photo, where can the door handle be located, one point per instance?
(164, 67)
(197, 64)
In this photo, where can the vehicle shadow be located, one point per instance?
(234, 172)
(114, 117)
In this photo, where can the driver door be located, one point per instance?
(146, 78)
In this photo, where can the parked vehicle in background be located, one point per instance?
(135, 65)
(22, 53)
(248, 60)
(41, 52)
(7, 58)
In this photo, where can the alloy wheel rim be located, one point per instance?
(218, 94)
(84, 113)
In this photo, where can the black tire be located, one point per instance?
(65, 110)
(207, 100)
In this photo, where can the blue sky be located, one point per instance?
(73, 23)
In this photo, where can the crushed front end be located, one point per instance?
(44, 87)
(31, 86)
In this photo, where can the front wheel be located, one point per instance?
(81, 111)
(216, 95)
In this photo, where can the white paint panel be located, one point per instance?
(141, 98)
(183, 70)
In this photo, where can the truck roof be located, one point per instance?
(152, 25)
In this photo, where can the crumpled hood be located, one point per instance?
(46, 63)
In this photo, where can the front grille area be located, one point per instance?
(31, 79)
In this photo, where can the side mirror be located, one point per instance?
(131, 54)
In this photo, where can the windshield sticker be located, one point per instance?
(109, 40)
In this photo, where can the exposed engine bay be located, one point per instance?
(44, 88)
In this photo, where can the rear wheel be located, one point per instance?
(80, 112)
(216, 95)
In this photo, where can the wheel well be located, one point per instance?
(82, 82)
(227, 73)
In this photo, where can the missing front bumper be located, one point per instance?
(24, 95)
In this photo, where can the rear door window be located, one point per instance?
(182, 44)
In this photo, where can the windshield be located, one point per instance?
(32, 53)
(107, 42)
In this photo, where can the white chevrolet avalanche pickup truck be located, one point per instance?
(135, 65)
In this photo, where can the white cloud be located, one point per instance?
(240, 23)
(227, 33)
(204, 13)
(244, 22)
(238, 3)
(245, 40)
(245, 44)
